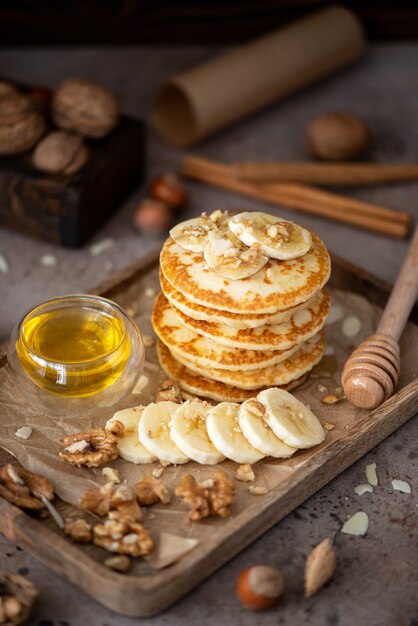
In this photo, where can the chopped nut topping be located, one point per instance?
(117, 428)
(120, 563)
(169, 390)
(23, 488)
(330, 399)
(205, 501)
(256, 408)
(245, 473)
(257, 491)
(78, 529)
(101, 448)
(319, 567)
(150, 490)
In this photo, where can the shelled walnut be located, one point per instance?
(17, 597)
(60, 153)
(23, 488)
(92, 448)
(169, 390)
(85, 107)
(150, 490)
(128, 538)
(204, 501)
(21, 126)
(78, 529)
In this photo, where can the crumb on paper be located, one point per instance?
(141, 384)
(101, 246)
(157, 471)
(362, 489)
(149, 292)
(49, 260)
(245, 473)
(351, 326)
(257, 491)
(170, 549)
(24, 432)
(328, 425)
(112, 474)
(401, 485)
(371, 474)
(357, 524)
(330, 399)
(4, 266)
(148, 340)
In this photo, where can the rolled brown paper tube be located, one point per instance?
(208, 97)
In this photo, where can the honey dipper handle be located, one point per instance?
(403, 296)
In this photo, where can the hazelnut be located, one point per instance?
(337, 137)
(85, 107)
(20, 125)
(60, 152)
(260, 587)
(168, 188)
(152, 216)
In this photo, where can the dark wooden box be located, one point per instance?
(67, 210)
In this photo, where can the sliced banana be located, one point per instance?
(129, 446)
(277, 238)
(189, 433)
(154, 432)
(226, 255)
(193, 234)
(290, 419)
(226, 435)
(258, 433)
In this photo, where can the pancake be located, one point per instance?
(235, 320)
(277, 286)
(203, 351)
(301, 362)
(201, 386)
(304, 324)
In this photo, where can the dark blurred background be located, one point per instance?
(29, 22)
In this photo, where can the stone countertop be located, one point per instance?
(376, 577)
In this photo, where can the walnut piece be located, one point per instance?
(205, 501)
(119, 503)
(92, 448)
(78, 529)
(150, 490)
(17, 596)
(169, 390)
(245, 473)
(97, 500)
(129, 538)
(23, 488)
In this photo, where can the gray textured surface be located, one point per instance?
(376, 580)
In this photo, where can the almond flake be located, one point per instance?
(24, 432)
(102, 246)
(141, 384)
(170, 549)
(330, 399)
(364, 488)
(49, 260)
(357, 524)
(4, 266)
(319, 567)
(157, 471)
(351, 326)
(257, 491)
(401, 485)
(371, 474)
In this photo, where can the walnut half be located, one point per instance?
(92, 448)
(150, 490)
(23, 488)
(204, 501)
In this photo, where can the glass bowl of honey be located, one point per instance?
(76, 354)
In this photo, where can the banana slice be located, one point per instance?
(226, 435)
(277, 238)
(154, 432)
(226, 255)
(290, 419)
(255, 430)
(193, 234)
(188, 431)
(129, 446)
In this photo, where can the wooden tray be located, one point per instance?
(147, 592)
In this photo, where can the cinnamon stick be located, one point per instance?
(302, 198)
(326, 174)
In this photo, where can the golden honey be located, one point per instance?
(76, 348)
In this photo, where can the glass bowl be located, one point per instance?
(76, 354)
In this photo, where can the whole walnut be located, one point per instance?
(85, 107)
(60, 153)
(337, 137)
(21, 126)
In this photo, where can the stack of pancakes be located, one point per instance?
(225, 338)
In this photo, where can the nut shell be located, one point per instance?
(60, 152)
(85, 107)
(20, 125)
(337, 137)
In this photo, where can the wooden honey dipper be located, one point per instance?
(371, 373)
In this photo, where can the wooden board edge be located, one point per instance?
(347, 449)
